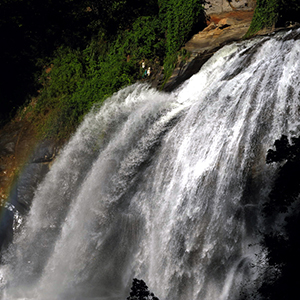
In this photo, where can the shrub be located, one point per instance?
(80, 78)
(270, 13)
(140, 291)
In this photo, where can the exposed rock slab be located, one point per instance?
(221, 6)
(222, 29)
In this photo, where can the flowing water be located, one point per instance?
(163, 187)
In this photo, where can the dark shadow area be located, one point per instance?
(282, 219)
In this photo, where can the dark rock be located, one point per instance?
(6, 228)
(23, 192)
(188, 70)
(45, 152)
(10, 147)
(20, 199)
(7, 148)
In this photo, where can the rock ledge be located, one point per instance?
(222, 29)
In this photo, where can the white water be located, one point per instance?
(163, 187)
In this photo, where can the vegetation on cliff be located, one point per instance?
(88, 50)
(274, 13)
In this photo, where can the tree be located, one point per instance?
(139, 291)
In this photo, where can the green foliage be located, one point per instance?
(270, 13)
(78, 80)
(93, 48)
(65, 78)
(180, 18)
(67, 74)
(265, 16)
(169, 65)
(112, 60)
(146, 39)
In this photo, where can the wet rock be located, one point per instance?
(6, 228)
(22, 193)
(186, 71)
(20, 171)
(32, 174)
(9, 148)
(45, 152)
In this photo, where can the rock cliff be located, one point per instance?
(25, 158)
(221, 6)
(227, 21)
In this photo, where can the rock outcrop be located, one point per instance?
(221, 6)
(222, 29)
(24, 161)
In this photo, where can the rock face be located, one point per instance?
(221, 6)
(223, 28)
(23, 158)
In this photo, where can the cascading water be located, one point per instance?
(163, 187)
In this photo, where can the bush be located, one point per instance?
(80, 78)
(271, 13)
(180, 19)
(139, 291)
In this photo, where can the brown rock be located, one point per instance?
(230, 27)
(227, 22)
(211, 26)
(222, 6)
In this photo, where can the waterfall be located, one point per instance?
(163, 187)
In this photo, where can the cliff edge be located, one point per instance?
(227, 21)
